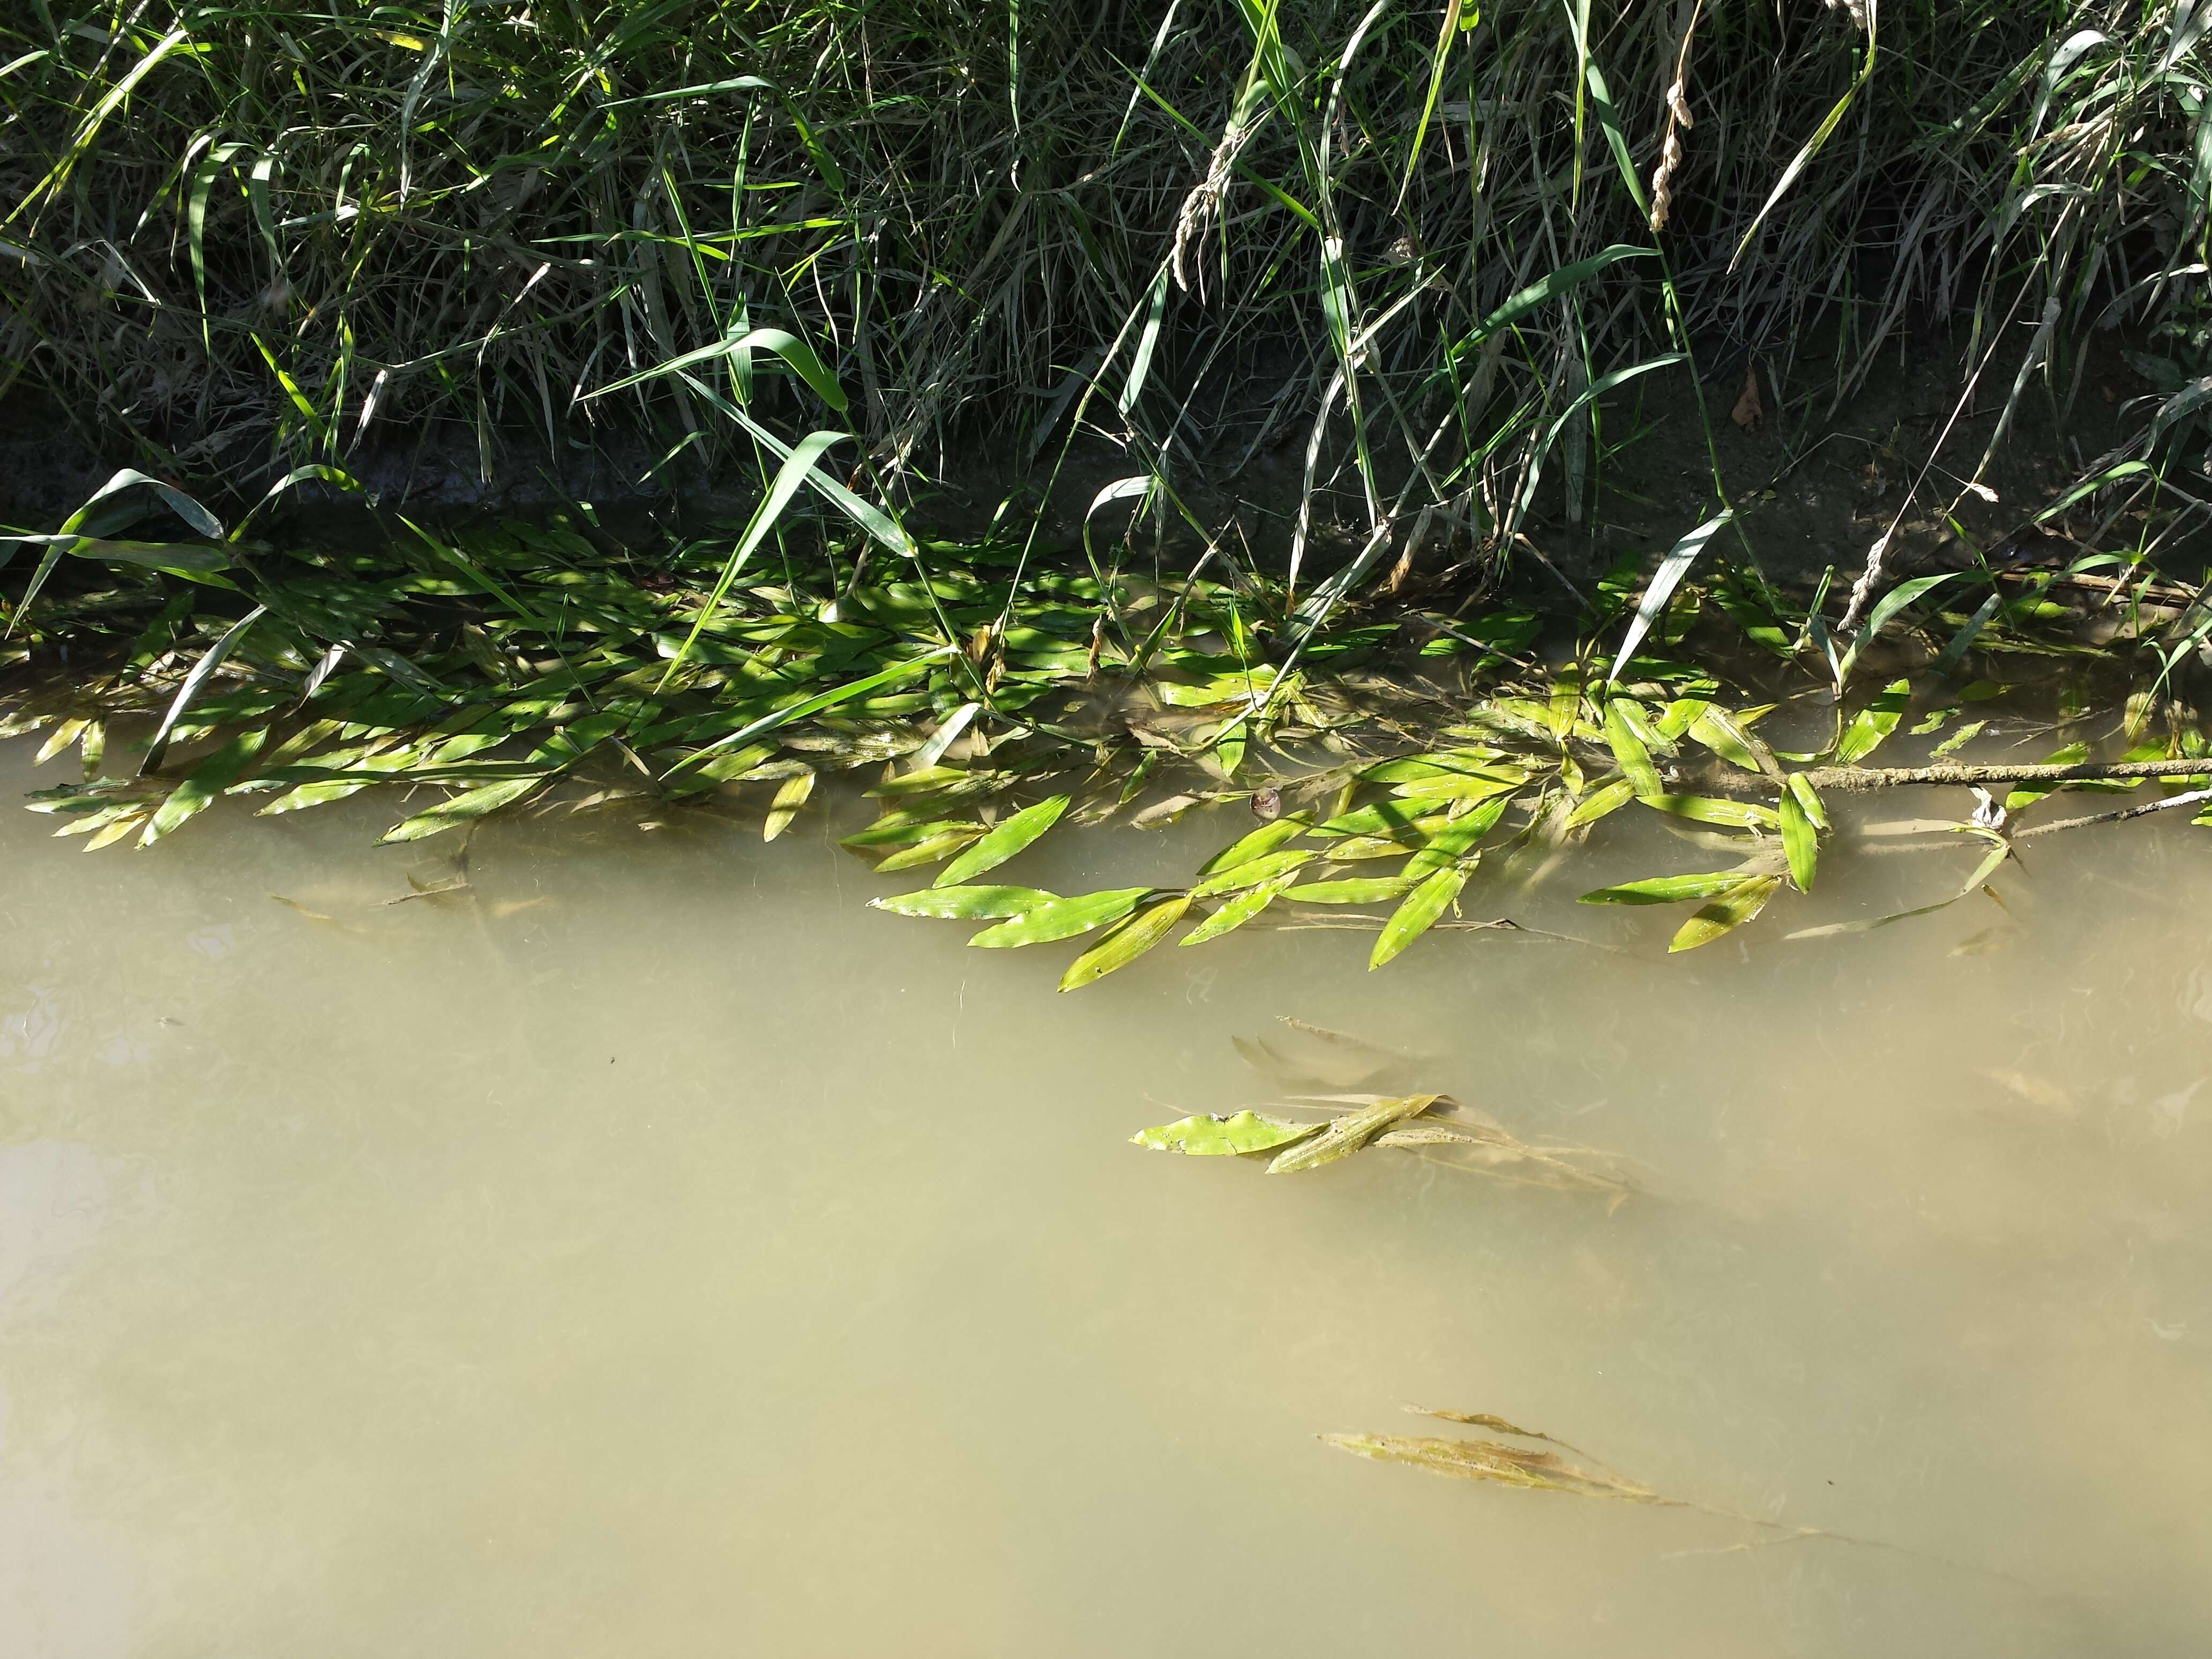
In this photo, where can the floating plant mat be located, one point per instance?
(1406, 771)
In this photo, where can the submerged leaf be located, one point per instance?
(1363, 890)
(1240, 910)
(1350, 1133)
(1417, 914)
(1666, 890)
(1062, 918)
(1718, 731)
(1606, 798)
(1262, 841)
(1725, 914)
(928, 850)
(462, 808)
(1223, 1137)
(1628, 749)
(1873, 723)
(1252, 871)
(1800, 842)
(1490, 1460)
(207, 779)
(963, 903)
(1004, 842)
(788, 800)
(1125, 944)
(1709, 809)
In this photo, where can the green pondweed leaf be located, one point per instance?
(1800, 841)
(1717, 730)
(1606, 798)
(1349, 1134)
(1355, 891)
(462, 808)
(1417, 914)
(1667, 890)
(1725, 914)
(788, 800)
(1401, 819)
(1809, 798)
(1004, 842)
(1252, 871)
(1708, 808)
(1223, 1137)
(1677, 717)
(926, 850)
(905, 829)
(207, 778)
(1264, 840)
(1873, 723)
(964, 903)
(1129, 941)
(1453, 841)
(1629, 748)
(1062, 918)
(1240, 910)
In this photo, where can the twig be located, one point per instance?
(2194, 797)
(1852, 780)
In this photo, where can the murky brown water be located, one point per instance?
(658, 1252)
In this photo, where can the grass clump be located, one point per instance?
(247, 240)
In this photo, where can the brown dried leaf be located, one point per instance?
(1491, 1459)
(1749, 412)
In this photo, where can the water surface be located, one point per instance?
(655, 1250)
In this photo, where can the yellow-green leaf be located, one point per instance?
(1125, 944)
(1060, 918)
(1223, 1137)
(1707, 809)
(1628, 747)
(1800, 840)
(1417, 914)
(1725, 914)
(1873, 723)
(1004, 842)
(963, 903)
(1240, 910)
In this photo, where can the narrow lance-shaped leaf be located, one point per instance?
(1664, 582)
(1667, 890)
(1628, 749)
(1062, 918)
(788, 800)
(1253, 872)
(1873, 723)
(1240, 910)
(1800, 842)
(1725, 914)
(963, 903)
(207, 779)
(1139, 935)
(1223, 1137)
(1417, 914)
(1264, 840)
(474, 803)
(1004, 842)
(1348, 1133)
(1707, 809)
(1357, 891)
(1606, 798)
(158, 749)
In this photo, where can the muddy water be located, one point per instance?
(653, 1250)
